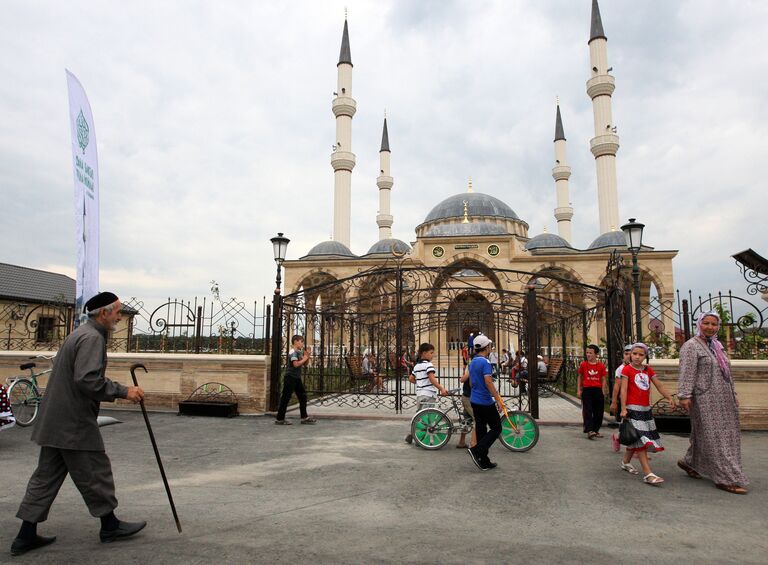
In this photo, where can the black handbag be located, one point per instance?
(628, 434)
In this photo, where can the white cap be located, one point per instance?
(540, 357)
(481, 342)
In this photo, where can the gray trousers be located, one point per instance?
(91, 472)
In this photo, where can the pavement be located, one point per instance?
(351, 491)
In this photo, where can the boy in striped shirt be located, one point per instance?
(424, 377)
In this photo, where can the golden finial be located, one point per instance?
(557, 100)
(385, 113)
(345, 12)
(545, 229)
(469, 188)
(466, 215)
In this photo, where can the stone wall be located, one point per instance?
(750, 379)
(173, 377)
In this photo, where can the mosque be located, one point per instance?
(474, 234)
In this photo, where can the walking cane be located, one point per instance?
(154, 446)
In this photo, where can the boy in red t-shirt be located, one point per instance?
(590, 387)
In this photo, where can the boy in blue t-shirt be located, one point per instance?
(484, 398)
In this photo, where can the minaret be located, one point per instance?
(384, 182)
(342, 159)
(605, 144)
(561, 172)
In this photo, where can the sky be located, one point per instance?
(214, 127)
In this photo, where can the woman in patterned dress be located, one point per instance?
(6, 415)
(706, 392)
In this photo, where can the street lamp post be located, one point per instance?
(633, 234)
(280, 247)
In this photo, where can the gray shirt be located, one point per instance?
(70, 406)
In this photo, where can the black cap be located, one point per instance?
(100, 300)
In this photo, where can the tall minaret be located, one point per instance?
(343, 160)
(605, 144)
(561, 172)
(384, 182)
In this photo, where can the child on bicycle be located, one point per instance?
(636, 382)
(424, 377)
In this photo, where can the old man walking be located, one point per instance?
(68, 433)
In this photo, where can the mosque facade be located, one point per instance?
(474, 233)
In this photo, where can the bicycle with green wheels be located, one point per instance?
(24, 393)
(432, 427)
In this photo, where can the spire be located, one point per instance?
(345, 56)
(597, 23)
(385, 137)
(559, 133)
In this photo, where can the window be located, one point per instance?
(45, 328)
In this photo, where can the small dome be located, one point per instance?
(609, 239)
(329, 249)
(472, 228)
(547, 241)
(478, 204)
(388, 247)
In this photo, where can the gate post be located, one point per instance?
(198, 328)
(398, 339)
(686, 320)
(274, 368)
(564, 368)
(532, 347)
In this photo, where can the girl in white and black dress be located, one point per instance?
(636, 382)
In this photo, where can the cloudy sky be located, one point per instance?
(214, 127)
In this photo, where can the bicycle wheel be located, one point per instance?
(524, 437)
(25, 401)
(431, 428)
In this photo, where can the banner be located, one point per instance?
(86, 173)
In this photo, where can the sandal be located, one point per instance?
(283, 422)
(688, 469)
(591, 435)
(461, 446)
(628, 468)
(652, 479)
(308, 420)
(598, 434)
(733, 489)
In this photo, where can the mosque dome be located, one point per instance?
(330, 249)
(609, 239)
(546, 242)
(388, 247)
(472, 228)
(478, 204)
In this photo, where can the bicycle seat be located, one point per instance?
(26, 366)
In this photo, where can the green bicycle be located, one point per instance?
(24, 393)
(432, 428)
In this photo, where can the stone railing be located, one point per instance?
(750, 379)
(172, 377)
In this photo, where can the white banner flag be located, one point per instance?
(86, 172)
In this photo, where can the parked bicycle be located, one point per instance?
(24, 393)
(432, 427)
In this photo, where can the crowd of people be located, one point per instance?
(70, 443)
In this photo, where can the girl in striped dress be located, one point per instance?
(636, 407)
(6, 415)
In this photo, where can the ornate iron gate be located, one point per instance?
(386, 312)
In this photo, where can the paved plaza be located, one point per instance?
(350, 491)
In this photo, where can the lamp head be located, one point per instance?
(633, 235)
(279, 247)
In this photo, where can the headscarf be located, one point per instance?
(714, 344)
(642, 346)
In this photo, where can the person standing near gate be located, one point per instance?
(589, 387)
(297, 358)
(485, 402)
(68, 433)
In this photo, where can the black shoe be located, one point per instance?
(123, 530)
(409, 438)
(490, 465)
(21, 546)
(474, 458)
